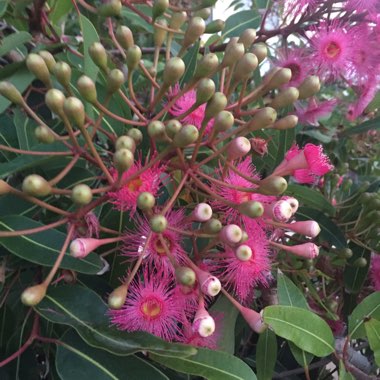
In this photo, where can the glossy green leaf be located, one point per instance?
(3, 6)
(190, 60)
(266, 355)
(137, 21)
(88, 363)
(285, 141)
(289, 294)
(362, 128)
(25, 130)
(311, 198)
(368, 308)
(343, 374)
(43, 247)
(302, 327)
(302, 357)
(240, 21)
(372, 328)
(83, 309)
(13, 41)
(61, 9)
(212, 365)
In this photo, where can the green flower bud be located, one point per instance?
(285, 98)
(44, 134)
(223, 121)
(195, 29)
(123, 159)
(286, 122)
(145, 201)
(9, 91)
(185, 276)
(125, 142)
(234, 51)
(206, 65)
(309, 87)
(247, 38)
(252, 209)
(136, 134)
(361, 262)
(260, 50)
(279, 78)
(36, 186)
(245, 67)
(262, 119)
(216, 104)
(54, 99)
(74, 110)
(48, 58)
(87, 89)
(124, 37)
(204, 13)
(33, 295)
(159, 8)
(172, 127)
(205, 90)
(99, 55)
(158, 223)
(81, 194)
(215, 26)
(117, 298)
(62, 72)
(156, 130)
(115, 79)
(212, 226)
(173, 71)
(187, 135)
(160, 34)
(111, 8)
(37, 66)
(134, 55)
(273, 185)
(205, 4)
(177, 20)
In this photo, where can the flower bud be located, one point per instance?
(195, 29)
(55, 99)
(115, 79)
(281, 211)
(231, 234)
(81, 194)
(4, 187)
(238, 148)
(234, 51)
(145, 201)
(172, 127)
(210, 285)
(205, 90)
(173, 71)
(279, 78)
(74, 109)
(243, 252)
(158, 223)
(260, 50)
(136, 134)
(110, 8)
(116, 299)
(202, 212)
(156, 130)
(159, 7)
(36, 186)
(212, 226)
(215, 105)
(247, 37)
(123, 159)
(80, 248)
(204, 324)
(87, 89)
(285, 98)
(69, 276)
(215, 26)
(273, 185)
(134, 55)
(187, 135)
(244, 237)
(287, 122)
(204, 13)
(206, 65)
(44, 134)
(37, 66)
(252, 209)
(185, 276)
(360, 262)
(293, 202)
(99, 55)
(48, 58)
(263, 118)
(125, 142)
(62, 72)
(9, 91)
(254, 319)
(308, 228)
(124, 37)
(245, 67)
(33, 295)
(309, 87)
(306, 250)
(177, 20)
(205, 4)
(159, 35)
(223, 121)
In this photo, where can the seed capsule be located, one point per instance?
(111, 8)
(55, 99)
(159, 7)
(187, 135)
(74, 109)
(195, 29)
(158, 223)
(134, 55)
(125, 142)
(123, 159)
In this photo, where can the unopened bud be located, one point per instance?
(210, 285)
(36, 186)
(116, 299)
(173, 71)
(254, 319)
(212, 226)
(245, 67)
(136, 134)
(134, 55)
(4, 187)
(273, 185)
(215, 105)
(37, 66)
(243, 252)
(177, 20)
(231, 234)
(156, 130)
(44, 134)
(309, 87)
(48, 58)
(260, 50)
(202, 212)
(159, 7)
(80, 248)
(206, 65)
(172, 127)
(81, 194)
(55, 99)
(195, 29)
(223, 121)
(115, 79)
(308, 228)
(145, 201)
(279, 78)
(123, 159)
(62, 72)
(262, 119)
(204, 325)
(252, 209)
(204, 13)
(361, 262)
(158, 223)
(215, 26)
(33, 295)
(99, 55)
(285, 98)
(281, 211)
(306, 250)
(111, 8)
(185, 276)
(234, 51)
(87, 89)
(205, 90)
(74, 109)
(238, 148)
(125, 142)
(247, 37)
(187, 135)
(9, 91)
(125, 37)
(160, 34)
(287, 122)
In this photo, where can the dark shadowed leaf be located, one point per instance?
(372, 328)
(362, 128)
(266, 355)
(13, 41)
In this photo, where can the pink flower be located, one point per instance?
(375, 271)
(314, 111)
(304, 164)
(333, 49)
(125, 198)
(362, 5)
(154, 252)
(185, 102)
(87, 227)
(151, 306)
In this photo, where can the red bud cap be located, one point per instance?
(158, 223)
(81, 194)
(36, 186)
(173, 71)
(99, 55)
(281, 211)
(74, 109)
(48, 58)
(9, 91)
(177, 20)
(245, 67)
(285, 98)
(33, 295)
(238, 148)
(116, 299)
(159, 7)
(287, 122)
(111, 8)
(187, 135)
(185, 276)
(260, 50)
(195, 29)
(37, 66)
(309, 87)
(159, 35)
(124, 37)
(215, 105)
(273, 185)
(215, 26)
(136, 134)
(145, 201)
(134, 55)
(123, 159)
(125, 142)
(4, 187)
(247, 37)
(87, 89)
(62, 72)
(254, 319)
(212, 226)
(206, 65)
(234, 51)
(115, 80)
(223, 121)
(252, 209)
(172, 127)
(205, 90)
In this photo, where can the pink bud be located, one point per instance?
(254, 319)
(259, 145)
(202, 212)
(308, 228)
(210, 285)
(238, 148)
(203, 323)
(80, 248)
(279, 211)
(306, 250)
(293, 203)
(231, 234)
(243, 252)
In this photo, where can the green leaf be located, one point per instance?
(62, 8)
(43, 247)
(3, 6)
(322, 137)
(372, 328)
(302, 327)
(368, 308)
(240, 21)
(311, 197)
(212, 365)
(13, 41)
(266, 355)
(289, 294)
(82, 309)
(362, 128)
(302, 357)
(190, 60)
(343, 374)
(137, 21)
(88, 363)
(286, 140)
(24, 129)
